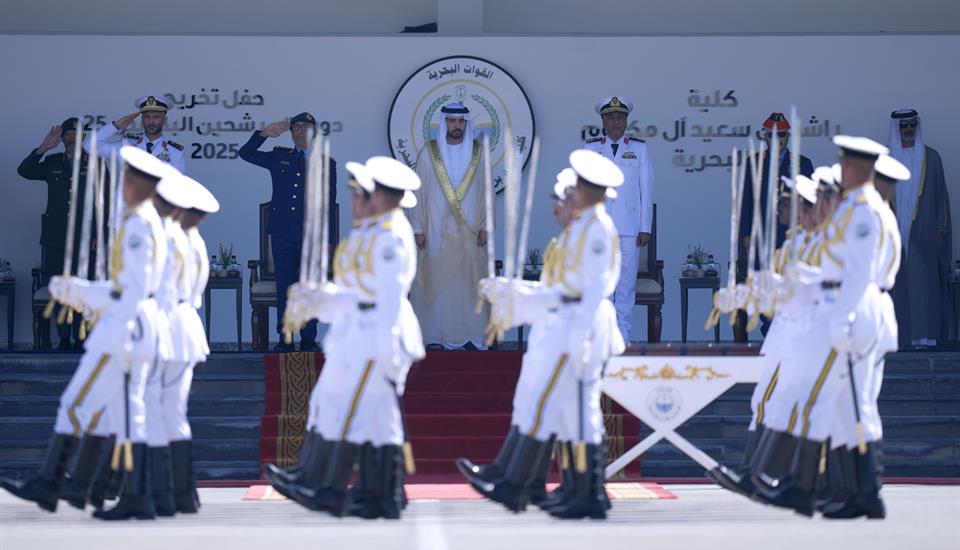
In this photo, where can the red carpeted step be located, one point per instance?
(457, 402)
(457, 380)
(448, 361)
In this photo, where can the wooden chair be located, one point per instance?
(263, 286)
(650, 284)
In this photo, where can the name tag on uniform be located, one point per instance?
(56, 171)
(629, 155)
(284, 162)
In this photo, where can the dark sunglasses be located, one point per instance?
(911, 124)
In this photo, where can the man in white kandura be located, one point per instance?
(360, 411)
(152, 110)
(448, 223)
(573, 333)
(632, 210)
(119, 351)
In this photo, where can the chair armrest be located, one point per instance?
(498, 266)
(254, 266)
(37, 276)
(660, 273)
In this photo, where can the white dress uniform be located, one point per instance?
(110, 138)
(174, 288)
(631, 210)
(126, 338)
(177, 380)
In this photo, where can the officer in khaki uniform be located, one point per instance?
(56, 170)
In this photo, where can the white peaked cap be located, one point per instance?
(892, 168)
(409, 200)
(390, 172)
(173, 189)
(566, 179)
(203, 199)
(806, 187)
(597, 170)
(146, 163)
(360, 174)
(862, 145)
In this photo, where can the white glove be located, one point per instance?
(59, 288)
(726, 301)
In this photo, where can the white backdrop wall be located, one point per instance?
(850, 81)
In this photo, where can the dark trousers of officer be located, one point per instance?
(286, 266)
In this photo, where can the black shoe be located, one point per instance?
(481, 477)
(588, 499)
(44, 489)
(76, 489)
(161, 481)
(184, 480)
(283, 348)
(280, 478)
(731, 481)
(436, 347)
(309, 346)
(470, 346)
(135, 500)
(65, 345)
(330, 493)
(513, 489)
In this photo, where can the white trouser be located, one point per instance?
(625, 295)
(153, 399)
(177, 379)
(97, 385)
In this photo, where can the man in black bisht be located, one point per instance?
(56, 170)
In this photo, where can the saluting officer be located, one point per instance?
(632, 210)
(56, 170)
(288, 170)
(152, 110)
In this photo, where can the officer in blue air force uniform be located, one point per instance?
(285, 226)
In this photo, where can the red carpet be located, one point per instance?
(457, 404)
(462, 491)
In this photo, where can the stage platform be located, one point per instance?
(459, 403)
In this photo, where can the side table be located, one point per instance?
(229, 283)
(686, 283)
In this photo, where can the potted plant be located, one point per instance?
(698, 258)
(534, 265)
(224, 255)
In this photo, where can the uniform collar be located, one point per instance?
(596, 208)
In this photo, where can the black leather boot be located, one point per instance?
(311, 441)
(513, 489)
(185, 494)
(797, 488)
(589, 497)
(136, 500)
(330, 494)
(482, 477)
(772, 459)
(44, 488)
(389, 487)
(76, 488)
(363, 495)
(161, 481)
(106, 482)
(538, 485)
(558, 496)
(866, 501)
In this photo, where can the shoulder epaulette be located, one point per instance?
(282, 149)
(131, 136)
(593, 140)
(175, 144)
(628, 139)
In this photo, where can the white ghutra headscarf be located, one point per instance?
(912, 158)
(456, 158)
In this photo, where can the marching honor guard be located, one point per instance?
(840, 354)
(119, 351)
(178, 376)
(573, 334)
(632, 210)
(481, 477)
(360, 409)
(152, 110)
